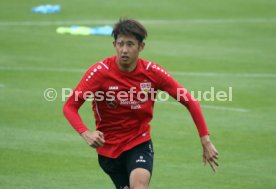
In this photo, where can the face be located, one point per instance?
(128, 49)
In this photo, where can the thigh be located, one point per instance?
(116, 171)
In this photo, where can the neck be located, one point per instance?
(128, 67)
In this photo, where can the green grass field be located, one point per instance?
(203, 44)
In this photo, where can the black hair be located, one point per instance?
(129, 27)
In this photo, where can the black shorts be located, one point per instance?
(119, 169)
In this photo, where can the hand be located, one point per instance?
(94, 139)
(210, 154)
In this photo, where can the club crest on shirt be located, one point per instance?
(145, 86)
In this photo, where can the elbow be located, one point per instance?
(191, 101)
(66, 109)
(70, 107)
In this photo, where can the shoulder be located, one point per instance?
(154, 68)
(108, 62)
(99, 69)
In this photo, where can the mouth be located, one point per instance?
(125, 58)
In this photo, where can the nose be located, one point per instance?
(125, 49)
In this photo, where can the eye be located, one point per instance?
(130, 44)
(120, 43)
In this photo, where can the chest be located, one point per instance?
(134, 92)
(135, 83)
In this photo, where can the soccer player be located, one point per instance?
(123, 90)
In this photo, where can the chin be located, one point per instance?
(125, 63)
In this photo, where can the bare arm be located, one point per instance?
(210, 153)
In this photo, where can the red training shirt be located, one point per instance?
(120, 107)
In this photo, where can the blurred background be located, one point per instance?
(203, 44)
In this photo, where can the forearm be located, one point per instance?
(196, 113)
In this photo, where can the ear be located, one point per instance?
(141, 46)
(114, 43)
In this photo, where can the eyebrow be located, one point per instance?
(126, 41)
